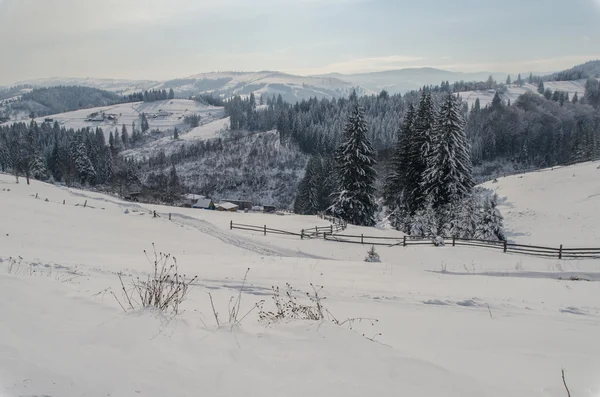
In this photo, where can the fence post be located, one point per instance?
(362, 239)
(64, 202)
(324, 235)
(302, 234)
(505, 246)
(169, 216)
(331, 229)
(560, 252)
(454, 241)
(85, 204)
(265, 230)
(404, 241)
(36, 195)
(154, 214)
(230, 225)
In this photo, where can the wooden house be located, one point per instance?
(205, 204)
(229, 207)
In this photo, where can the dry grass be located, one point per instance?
(164, 289)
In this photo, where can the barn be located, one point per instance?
(229, 207)
(242, 204)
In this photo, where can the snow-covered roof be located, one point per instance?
(227, 206)
(203, 203)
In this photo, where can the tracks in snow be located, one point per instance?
(207, 228)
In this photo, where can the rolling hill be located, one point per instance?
(442, 312)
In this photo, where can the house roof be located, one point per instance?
(227, 206)
(203, 203)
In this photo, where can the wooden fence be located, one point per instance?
(330, 233)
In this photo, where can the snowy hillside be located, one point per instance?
(514, 91)
(403, 80)
(452, 321)
(292, 88)
(121, 86)
(552, 206)
(163, 115)
(209, 129)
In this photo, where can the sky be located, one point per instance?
(164, 39)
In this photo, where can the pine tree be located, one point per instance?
(465, 218)
(175, 133)
(575, 98)
(424, 223)
(448, 177)
(111, 141)
(355, 202)
(530, 78)
(496, 101)
(125, 136)
(419, 147)
(396, 182)
(83, 165)
(145, 125)
(541, 88)
(171, 94)
(520, 81)
(508, 80)
(491, 225)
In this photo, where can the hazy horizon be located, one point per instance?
(161, 40)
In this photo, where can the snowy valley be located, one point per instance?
(453, 321)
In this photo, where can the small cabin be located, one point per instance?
(189, 200)
(229, 207)
(205, 204)
(132, 196)
(48, 120)
(242, 204)
(269, 209)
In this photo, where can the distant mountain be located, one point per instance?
(403, 80)
(292, 88)
(579, 72)
(118, 86)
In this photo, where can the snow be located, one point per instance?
(453, 321)
(209, 129)
(552, 206)
(163, 115)
(514, 91)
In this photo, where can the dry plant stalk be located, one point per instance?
(164, 290)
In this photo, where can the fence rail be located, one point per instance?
(330, 233)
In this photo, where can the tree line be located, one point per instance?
(74, 157)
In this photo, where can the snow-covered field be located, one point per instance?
(163, 115)
(452, 321)
(552, 206)
(514, 91)
(209, 129)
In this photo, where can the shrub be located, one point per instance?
(372, 255)
(165, 289)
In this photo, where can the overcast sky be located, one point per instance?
(162, 39)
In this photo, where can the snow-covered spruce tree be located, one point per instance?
(37, 168)
(418, 151)
(355, 158)
(83, 165)
(491, 226)
(448, 178)
(424, 223)
(464, 218)
(395, 183)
